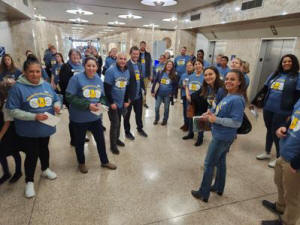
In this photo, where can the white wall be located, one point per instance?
(202, 43)
(6, 38)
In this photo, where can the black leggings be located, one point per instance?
(17, 158)
(272, 122)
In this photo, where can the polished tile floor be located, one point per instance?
(151, 185)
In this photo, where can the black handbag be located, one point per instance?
(259, 99)
(246, 126)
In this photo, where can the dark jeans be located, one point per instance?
(137, 106)
(17, 159)
(95, 128)
(215, 157)
(191, 130)
(272, 122)
(166, 101)
(184, 107)
(115, 123)
(35, 148)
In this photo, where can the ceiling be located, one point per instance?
(108, 10)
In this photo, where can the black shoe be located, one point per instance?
(72, 144)
(197, 194)
(120, 143)
(103, 128)
(212, 189)
(155, 122)
(271, 206)
(15, 178)
(4, 178)
(115, 150)
(199, 142)
(189, 136)
(142, 133)
(129, 136)
(146, 106)
(86, 140)
(164, 123)
(271, 222)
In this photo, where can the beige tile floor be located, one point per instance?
(151, 185)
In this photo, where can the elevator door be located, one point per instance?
(216, 48)
(270, 54)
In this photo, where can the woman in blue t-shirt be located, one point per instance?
(8, 68)
(283, 91)
(85, 94)
(183, 82)
(166, 83)
(55, 70)
(225, 120)
(29, 102)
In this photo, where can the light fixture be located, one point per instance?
(130, 16)
(78, 20)
(172, 19)
(34, 8)
(186, 21)
(79, 12)
(116, 23)
(159, 2)
(223, 22)
(40, 17)
(151, 25)
(108, 30)
(284, 13)
(237, 9)
(77, 28)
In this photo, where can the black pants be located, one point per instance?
(272, 123)
(80, 130)
(138, 110)
(35, 148)
(115, 123)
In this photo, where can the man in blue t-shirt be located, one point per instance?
(136, 93)
(223, 68)
(200, 56)
(180, 66)
(116, 86)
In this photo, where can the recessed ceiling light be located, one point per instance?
(150, 25)
(159, 2)
(78, 20)
(116, 23)
(223, 22)
(79, 12)
(284, 13)
(172, 19)
(40, 17)
(34, 8)
(77, 28)
(109, 30)
(130, 16)
(237, 9)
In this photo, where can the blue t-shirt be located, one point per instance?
(90, 89)
(231, 106)
(289, 146)
(180, 64)
(45, 75)
(184, 80)
(165, 86)
(34, 99)
(214, 99)
(13, 75)
(55, 72)
(223, 71)
(143, 63)
(195, 82)
(118, 80)
(206, 64)
(109, 61)
(247, 80)
(138, 81)
(157, 69)
(275, 93)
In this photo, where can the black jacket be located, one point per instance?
(148, 63)
(65, 75)
(100, 64)
(132, 80)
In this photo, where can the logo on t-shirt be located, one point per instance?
(165, 81)
(181, 62)
(143, 61)
(194, 86)
(278, 84)
(121, 83)
(219, 107)
(295, 124)
(40, 102)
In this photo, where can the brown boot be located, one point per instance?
(82, 168)
(109, 166)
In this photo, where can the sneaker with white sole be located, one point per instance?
(29, 190)
(263, 156)
(49, 174)
(272, 163)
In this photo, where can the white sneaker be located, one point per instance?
(272, 163)
(29, 190)
(175, 100)
(263, 156)
(181, 101)
(49, 174)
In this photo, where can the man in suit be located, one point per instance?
(136, 92)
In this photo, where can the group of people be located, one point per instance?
(215, 92)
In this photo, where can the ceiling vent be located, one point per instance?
(251, 4)
(195, 17)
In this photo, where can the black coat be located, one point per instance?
(148, 63)
(132, 80)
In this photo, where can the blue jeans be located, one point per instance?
(184, 107)
(166, 101)
(215, 157)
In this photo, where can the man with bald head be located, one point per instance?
(116, 85)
